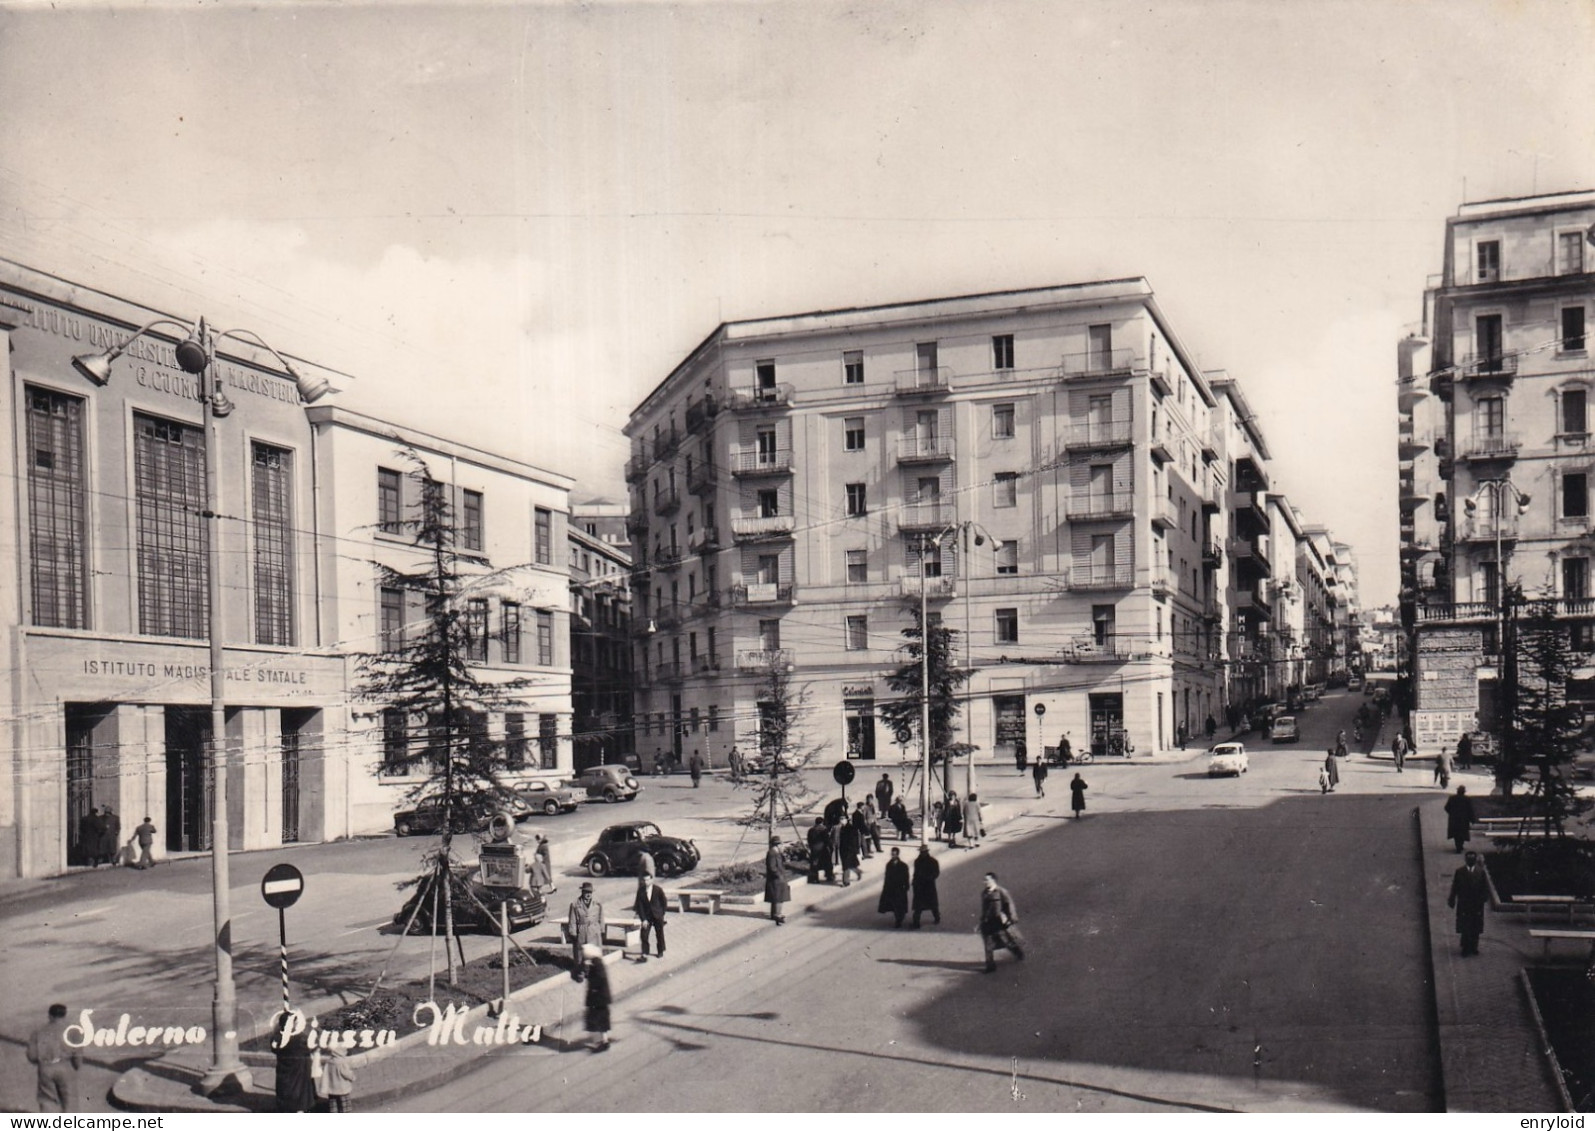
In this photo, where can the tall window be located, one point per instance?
(769, 636)
(543, 525)
(395, 741)
(1572, 329)
(392, 614)
(1489, 417)
(1489, 253)
(1574, 413)
(1575, 578)
(852, 433)
(714, 717)
(57, 494)
(511, 613)
(389, 484)
(545, 638)
(471, 520)
(1002, 351)
(1007, 488)
(1570, 253)
(548, 741)
(169, 483)
(1002, 421)
(273, 515)
(857, 567)
(514, 741)
(1575, 495)
(857, 500)
(857, 634)
(769, 502)
(853, 367)
(1007, 626)
(1007, 557)
(476, 629)
(1103, 625)
(1487, 341)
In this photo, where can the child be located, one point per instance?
(1323, 779)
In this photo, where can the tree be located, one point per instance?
(1546, 727)
(428, 677)
(776, 778)
(903, 714)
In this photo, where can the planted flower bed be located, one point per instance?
(1556, 866)
(1565, 996)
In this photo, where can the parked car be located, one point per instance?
(427, 818)
(612, 783)
(618, 847)
(1285, 730)
(541, 797)
(525, 906)
(1227, 758)
(1354, 683)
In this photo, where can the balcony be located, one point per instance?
(1252, 504)
(666, 443)
(750, 461)
(1102, 577)
(763, 593)
(670, 671)
(1161, 447)
(1211, 447)
(936, 588)
(1091, 650)
(926, 516)
(1460, 611)
(1099, 363)
(637, 523)
(1251, 555)
(706, 665)
(702, 478)
(1488, 447)
(1164, 514)
(704, 540)
(1099, 436)
(667, 501)
(753, 529)
(1162, 582)
(671, 615)
(1486, 528)
(925, 449)
(759, 397)
(667, 557)
(1488, 367)
(1092, 504)
(636, 467)
(764, 660)
(701, 412)
(1212, 555)
(924, 380)
(1252, 601)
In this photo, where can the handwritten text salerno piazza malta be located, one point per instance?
(192, 671)
(445, 1026)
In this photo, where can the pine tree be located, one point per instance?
(903, 715)
(1546, 725)
(775, 780)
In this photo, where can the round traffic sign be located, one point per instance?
(842, 772)
(1041, 709)
(282, 886)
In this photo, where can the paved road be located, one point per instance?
(1195, 943)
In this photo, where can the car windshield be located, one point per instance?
(646, 831)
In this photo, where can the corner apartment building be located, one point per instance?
(1496, 454)
(797, 482)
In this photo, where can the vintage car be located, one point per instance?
(619, 846)
(612, 783)
(481, 913)
(543, 797)
(1285, 730)
(427, 818)
(1226, 758)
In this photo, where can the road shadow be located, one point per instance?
(929, 964)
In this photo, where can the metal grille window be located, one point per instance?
(272, 470)
(514, 741)
(392, 626)
(388, 500)
(57, 528)
(548, 741)
(545, 638)
(395, 741)
(512, 632)
(476, 629)
(544, 529)
(169, 485)
(471, 520)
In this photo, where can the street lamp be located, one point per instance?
(196, 355)
(1507, 663)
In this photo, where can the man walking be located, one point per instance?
(997, 917)
(1211, 728)
(776, 890)
(57, 1062)
(925, 872)
(1077, 790)
(90, 832)
(819, 840)
(585, 925)
(894, 889)
(1470, 891)
(145, 835)
(650, 907)
(1398, 748)
(1459, 817)
(883, 793)
(1038, 773)
(695, 767)
(1065, 752)
(848, 844)
(110, 835)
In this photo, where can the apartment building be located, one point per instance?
(1496, 457)
(1043, 467)
(1252, 647)
(600, 640)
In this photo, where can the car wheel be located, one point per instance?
(611, 796)
(667, 866)
(401, 828)
(598, 866)
(551, 807)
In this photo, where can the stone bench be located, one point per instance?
(709, 897)
(624, 933)
(1550, 936)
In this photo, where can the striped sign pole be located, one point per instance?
(281, 888)
(282, 944)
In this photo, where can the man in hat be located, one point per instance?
(776, 889)
(584, 925)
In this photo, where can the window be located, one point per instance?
(764, 444)
(693, 719)
(391, 628)
(389, 484)
(1002, 351)
(764, 375)
(471, 520)
(545, 638)
(857, 567)
(1007, 626)
(548, 741)
(1487, 343)
(853, 434)
(1575, 418)
(1002, 421)
(514, 741)
(1575, 496)
(1570, 253)
(714, 717)
(543, 535)
(769, 636)
(395, 741)
(857, 501)
(57, 510)
(476, 629)
(511, 622)
(853, 367)
(272, 505)
(1007, 487)
(1103, 625)
(1575, 578)
(928, 558)
(857, 633)
(169, 485)
(1572, 329)
(1489, 253)
(769, 502)
(1007, 558)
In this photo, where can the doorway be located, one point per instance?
(81, 768)
(1107, 724)
(188, 786)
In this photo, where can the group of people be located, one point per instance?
(100, 838)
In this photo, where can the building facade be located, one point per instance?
(600, 645)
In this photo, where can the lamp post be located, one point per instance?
(924, 695)
(1506, 649)
(196, 355)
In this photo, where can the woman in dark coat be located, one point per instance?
(1077, 790)
(925, 872)
(598, 997)
(1459, 817)
(296, 1091)
(848, 843)
(894, 892)
(952, 819)
(776, 890)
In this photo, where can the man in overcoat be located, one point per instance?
(997, 917)
(926, 870)
(883, 792)
(650, 907)
(820, 859)
(110, 835)
(1459, 817)
(585, 925)
(90, 832)
(894, 890)
(1470, 891)
(776, 890)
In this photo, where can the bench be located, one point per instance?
(1547, 937)
(627, 933)
(710, 897)
(1536, 903)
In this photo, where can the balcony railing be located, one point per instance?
(1499, 446)
(667, 501)
(636, 467)
(668, 557)
(705, 665)
(765, 526)
(1212, 555)
(671, 615)
(1487, 528)
(1164, 513)
(763, 593)
(666, 443)
(1102, 577)
(701, 477)
(926, 516)
(761, 461)
(701, 411)
(1459, 611)
(1253, 600)
(1212, 444)
(637, 523)
(923, 380)
(1487, 366)
(761, 396)
(1102, 434)
(764, 659)
(1090, 504)
(703, 540)
(1090, 650)
(925, 449)
(1254, 503)
(670, 671)
(1161, 446)
(1099, 363)
(936, 588)
(1162, 582)
(1251, 552)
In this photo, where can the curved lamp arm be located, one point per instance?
(97, 366)
(311, 389)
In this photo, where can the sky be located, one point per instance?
(508, 222)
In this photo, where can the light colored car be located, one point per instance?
(612, 783)
(1226, 758)
(543, 797)
(1285, 729)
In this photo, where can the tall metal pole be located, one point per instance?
(924, 700)
(969, 663)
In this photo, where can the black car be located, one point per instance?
(619, 846)
(481, 914)
(427, 818)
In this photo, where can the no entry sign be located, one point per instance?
(282, 886)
